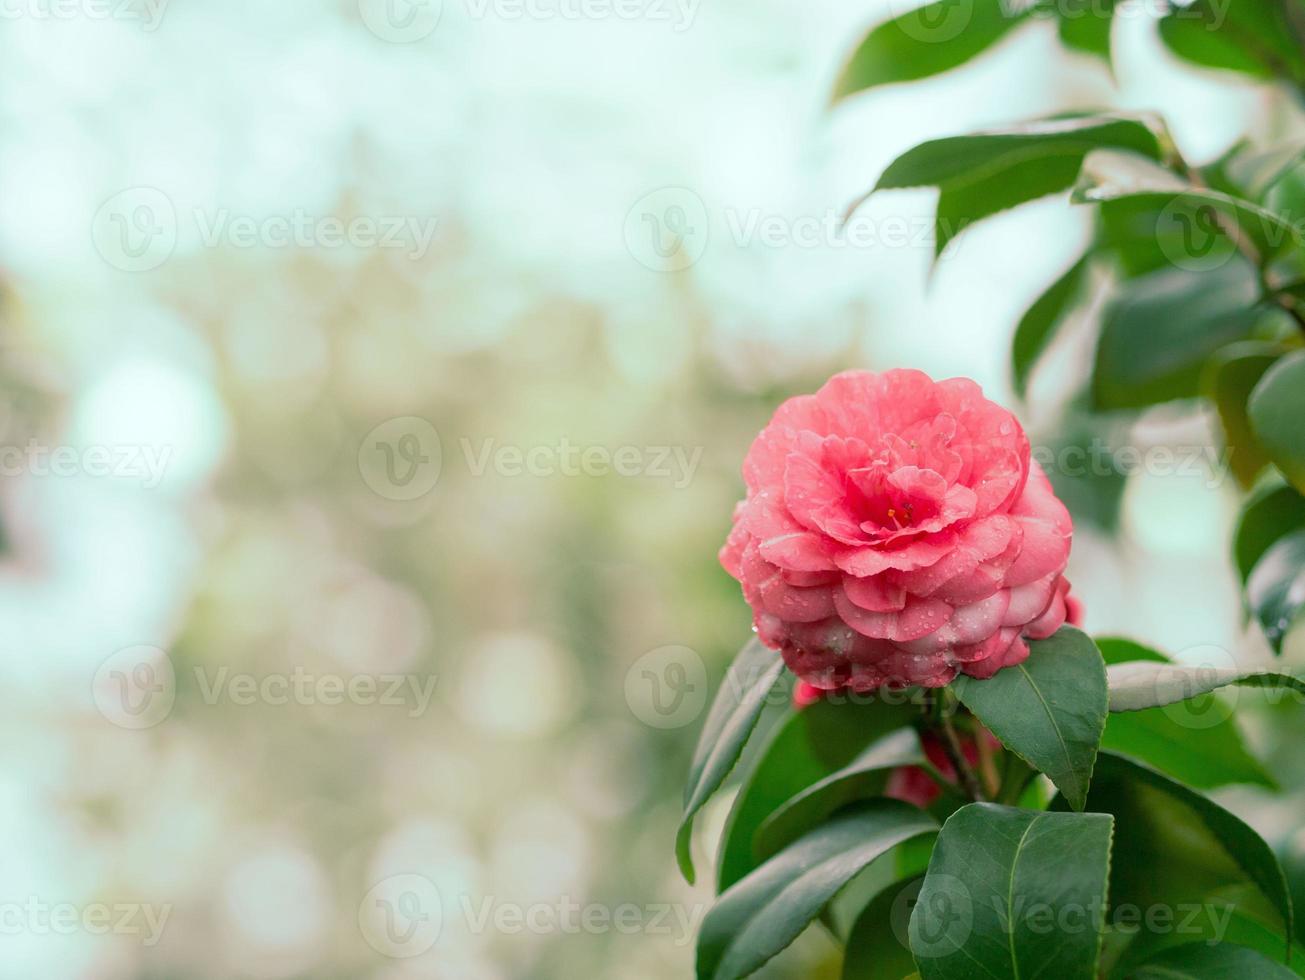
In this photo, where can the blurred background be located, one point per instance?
(376, 378)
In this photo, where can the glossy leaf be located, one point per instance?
(1174, 847)
(987, 172)
(1146, 684)
(1049, 710)
(1037, 327)
(864, 776)
(997, 876)
(931, 39)
(1275, 590)
(733, 715)
(1277, 410)
(1201, 961)
(806, 747)
(767, 910)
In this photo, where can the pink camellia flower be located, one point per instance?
(897, 532)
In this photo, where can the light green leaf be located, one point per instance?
(733, 715)
(997, 877)
(1277, 410)
(1146, 684)
(767, 910)
(932, 39)
(1049, 710)
(1085, 26)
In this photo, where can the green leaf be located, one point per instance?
(1277, 409)
(1085, 26)
(1210, 219)
(733, 715)
(1250, 38)
(1201, 961)
(1156, 336)
(987, 172)
(1146, 684)
(1229, 376)
(864, 776)
(1049, 710)
(1272, 510)
(807, 746)
(1037, 328)
(998, 877)
(879, 945)
(1175, 847)
(1275, 590)
(767, 910)
(932, 39)
(1204, 750)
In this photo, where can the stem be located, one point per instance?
(956, 756)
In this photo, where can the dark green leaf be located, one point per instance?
(1251, 38)
(1201, 961)
(932, 39)
(732, 717)
(984, 173)
(1037, 328)
(1277, 410)
(768, 909)
(998, 877)
(864, 776)
(879, 945)
(1156, 337)
(1049, 710)
(1210, 220)
(1272, 510)
(1175, 849)
(1146, 684)
(1275, 590)
(1228, 378)
(805, 747)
